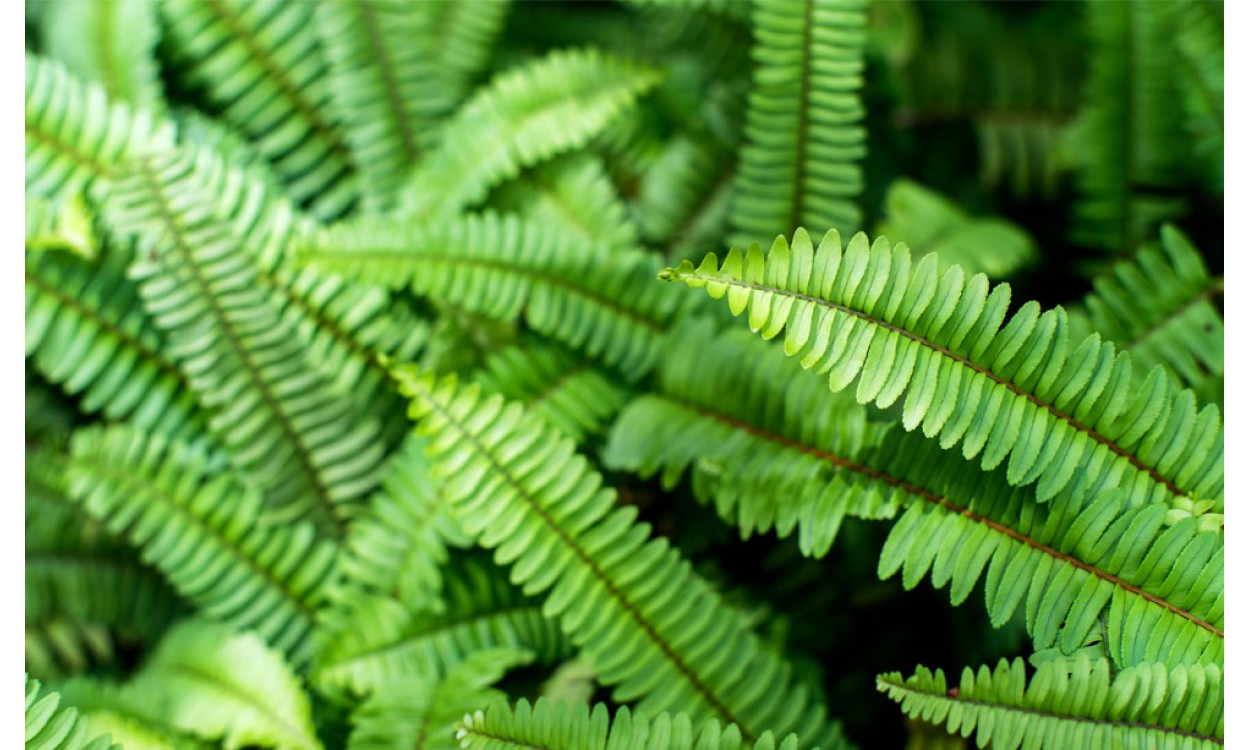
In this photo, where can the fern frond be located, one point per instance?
(66, 225)
(362, 648)
(217, 684)
(397, 548)
(386, 92)
(1159, 307)
(1062, 706)
(653, 629)
(86, 331)
(774, 452)
(281, 421)
(1128, 144)
(569, 393)
(75, 135)
(560, 726)
(51, 727)
(684, 196)
(928, 222)
(804, 139)
(203, 532)
(605, 304)
(459, 39)
(771, 450)
(421, 712)
(576, 193)
(123, 713)
(543, 108)
(1059, 415)
(109, 41)
(1199, 38)
(267, 77)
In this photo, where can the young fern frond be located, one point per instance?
(362, 648)
(86, 331)
(1160, 307)
(576, 193)
(774, 452)
(218, 684)
(552, 105)
(804, 136)
(605, 304)
(1128, 144)
(1060, 416)
(551, 725)
(51, 727)
(281, 421)
(267, 77)
(76, 136)
(423, 712)
(109, 41)
(569, 393)
(928, 222)
(654, 630)
(203, 532)
(1074, 704)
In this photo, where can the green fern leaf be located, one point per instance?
(1062, 706)
(218, 684)
(423, 713)
(86, 331)
(203, 532)
(803, 133)
(684, 196)
(1159, 307)
(569, 393)
(519, 488)
(64, 226)
(606, 305)
(375, 641)
(75, 135)
(459, 39)
(110, 41)
(546, 107)
(282, 423)
(50, 727)
(1129, 146)
(928, 222)
(1199, 37)
(126, 715)
(560, 726)
(267, 77)
(1057, 415)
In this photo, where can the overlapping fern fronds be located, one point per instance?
(109, 41)
(1015, 392)
(654, 630)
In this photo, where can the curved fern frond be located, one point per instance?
(653, 629)
(386, 92)
(203, 532)
(573, 192)
(560, 726)
(769, 449)
(1159, 306)
(606, 304)
(86, 331)
(549, 106)
(281, 421)
(1066, 706)
(218, 684)
(51, 727)
(1059, 415)
(569, 393)
(1128, 144)
(773, 452)
(75, 135)
(927, 222)
(803, 134)
(423, 713)
(110, 41)
(268, 79)
(361, 649)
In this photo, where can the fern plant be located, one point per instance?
(357, 416)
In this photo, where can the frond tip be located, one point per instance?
(1016, 392)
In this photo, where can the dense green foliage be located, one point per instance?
(381, 391)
